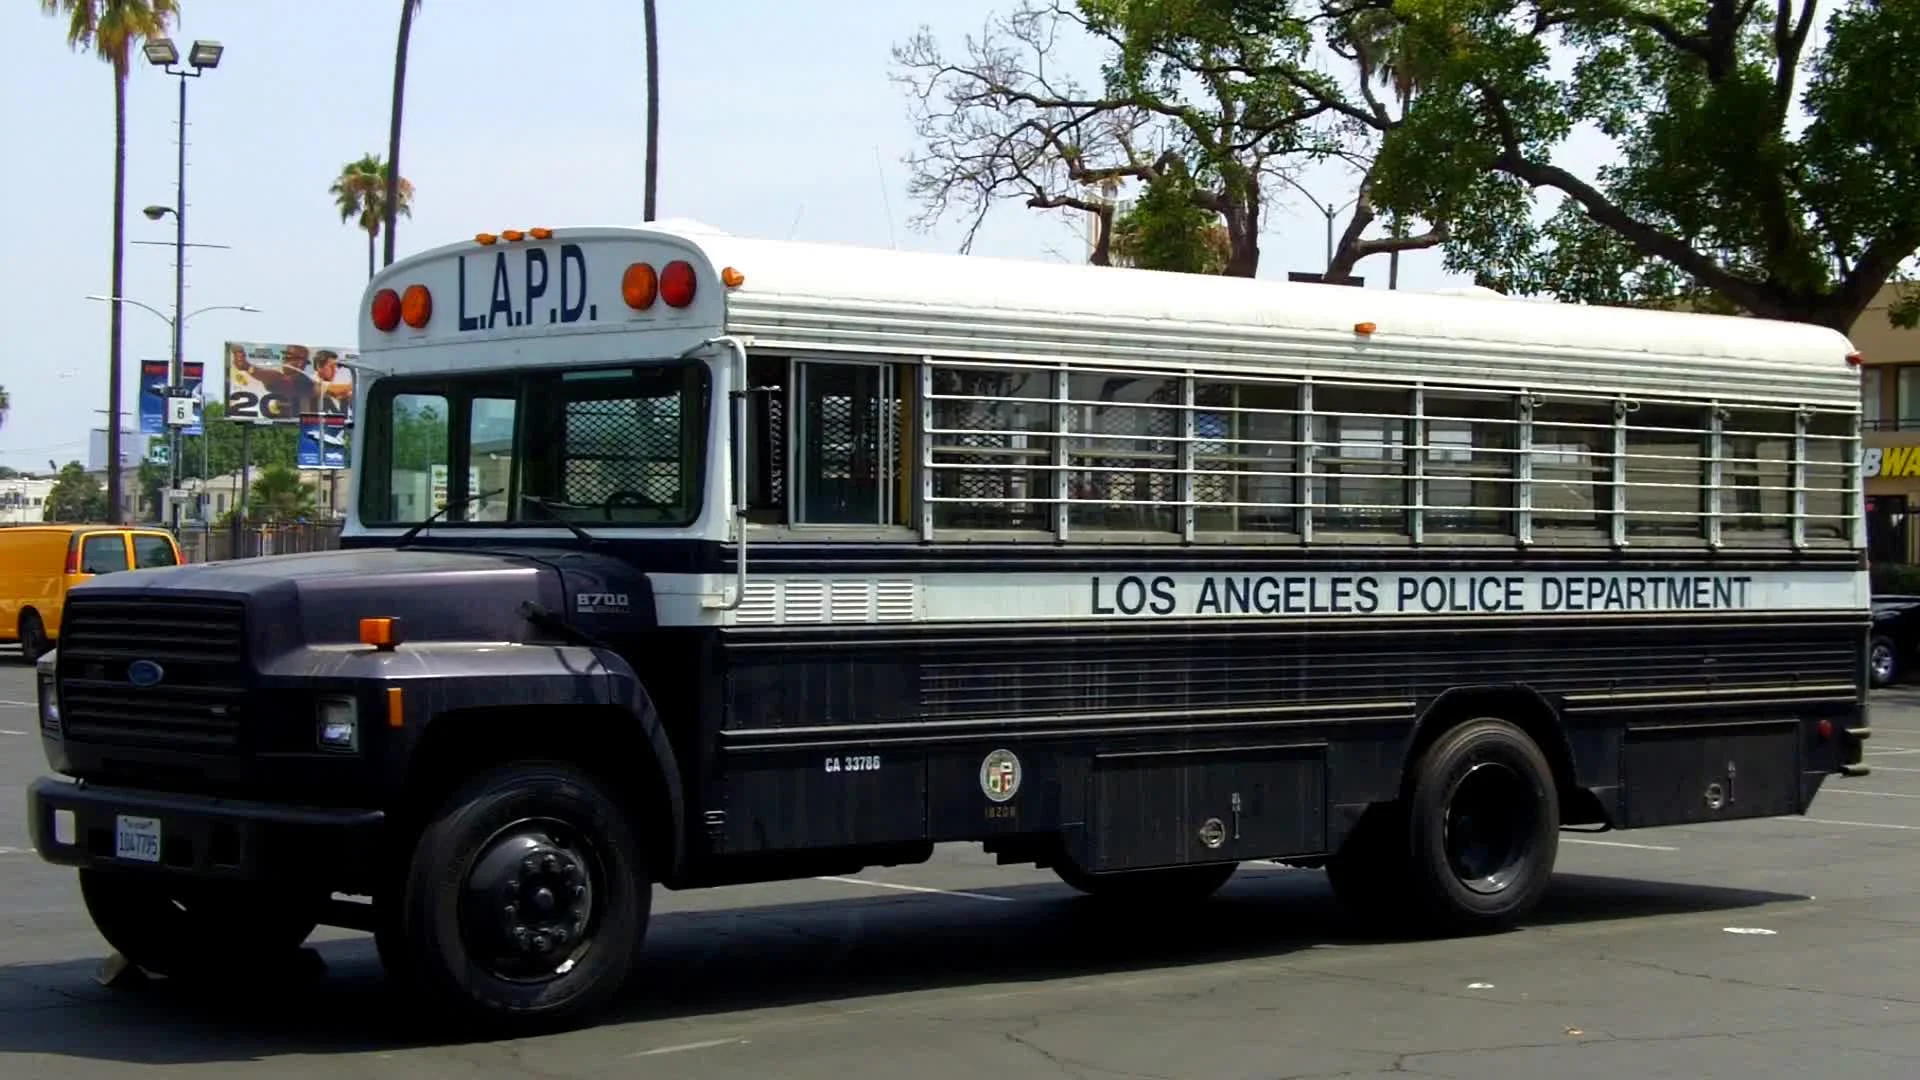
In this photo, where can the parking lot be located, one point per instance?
(1779, 947)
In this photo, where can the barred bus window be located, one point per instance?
(1471, 444)
(1123, 452)
(1572, 462)
(1756, 474)
(1666, 470)
(1246, 438)
(767, 440)
(1829, 475)
(992, 441)
(1360, 459)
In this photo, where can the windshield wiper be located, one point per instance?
(450, 507)
(576, 530)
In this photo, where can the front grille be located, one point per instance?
(200, 646)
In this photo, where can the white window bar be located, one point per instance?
(1414, 463)
(1303, 492)
(1186, 450)
(1062, 439)
(1716, 447)
(1617, 502)
(926, 449)
(1523, 470)
(1799, 517)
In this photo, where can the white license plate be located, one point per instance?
(136, 838)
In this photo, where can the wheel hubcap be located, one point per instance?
(1882, 662)
(1490, 819)
(529, 906)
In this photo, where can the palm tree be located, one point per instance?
(653, 107)
(279, 494)
(360, 195)
(6, 406)
(390, 202)
(110, 28)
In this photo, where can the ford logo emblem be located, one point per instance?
(145, 673)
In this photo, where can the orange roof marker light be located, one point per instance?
(382, 633)
(416, 306)
(540, 234)
(1364, 329)
(512, 236)
(732, 278)
(485, 239)
(1855, 359)
(639, 286)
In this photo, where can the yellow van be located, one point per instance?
(39, 563)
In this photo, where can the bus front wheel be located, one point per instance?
(1470, 848)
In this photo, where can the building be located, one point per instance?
(1890, 391)
(23, 499)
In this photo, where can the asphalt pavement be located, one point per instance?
(1786, 947)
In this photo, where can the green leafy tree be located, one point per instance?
(360, 194)
(6, 406)
(419, 438)
(76, 496)
(218, 452)
(1760, 169)
(110, 29)
(278, 494)
(1165, 230)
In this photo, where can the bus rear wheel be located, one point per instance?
(1472, 845)
(525, 899)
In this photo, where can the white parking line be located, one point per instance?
(14, 851)
(917, 888)
(10, 731)
(1889, 750)
(1854, 824)
(684, 1047)
(1616, 843)
(1856, 791)
(5, 703)
(1892, 768)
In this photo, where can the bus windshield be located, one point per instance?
(622, 445)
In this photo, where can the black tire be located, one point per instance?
(1405, 865)
(195, 931)
(33, 637)
(1170, 885)
(1883, 661)
(525, 900)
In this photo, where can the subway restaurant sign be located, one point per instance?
(1890, 461)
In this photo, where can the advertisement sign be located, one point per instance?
(438, 484)
(323, 441)
(153, 395)
(286, 382)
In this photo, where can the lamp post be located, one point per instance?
(204, 56)
(174, 323)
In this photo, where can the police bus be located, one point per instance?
(681, 559)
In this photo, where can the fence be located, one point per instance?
(202, 543)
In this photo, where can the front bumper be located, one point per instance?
(208, 837)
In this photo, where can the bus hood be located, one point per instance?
(437, 594)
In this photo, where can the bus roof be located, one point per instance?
(811, 296)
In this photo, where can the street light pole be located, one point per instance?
(203, 57)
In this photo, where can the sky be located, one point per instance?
(777, 119)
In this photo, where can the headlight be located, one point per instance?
(339, 726)
(49, 705)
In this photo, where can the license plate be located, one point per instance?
(136, 838)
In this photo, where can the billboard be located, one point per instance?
(153, 394)
(323, 441)
(284, 383)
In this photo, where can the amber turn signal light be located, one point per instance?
(382, 633)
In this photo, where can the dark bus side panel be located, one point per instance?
(1133, 739)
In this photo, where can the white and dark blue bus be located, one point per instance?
(683, 559)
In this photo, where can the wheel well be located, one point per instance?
(599, 739)
(1531, 713)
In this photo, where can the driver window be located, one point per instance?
(615, 445)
